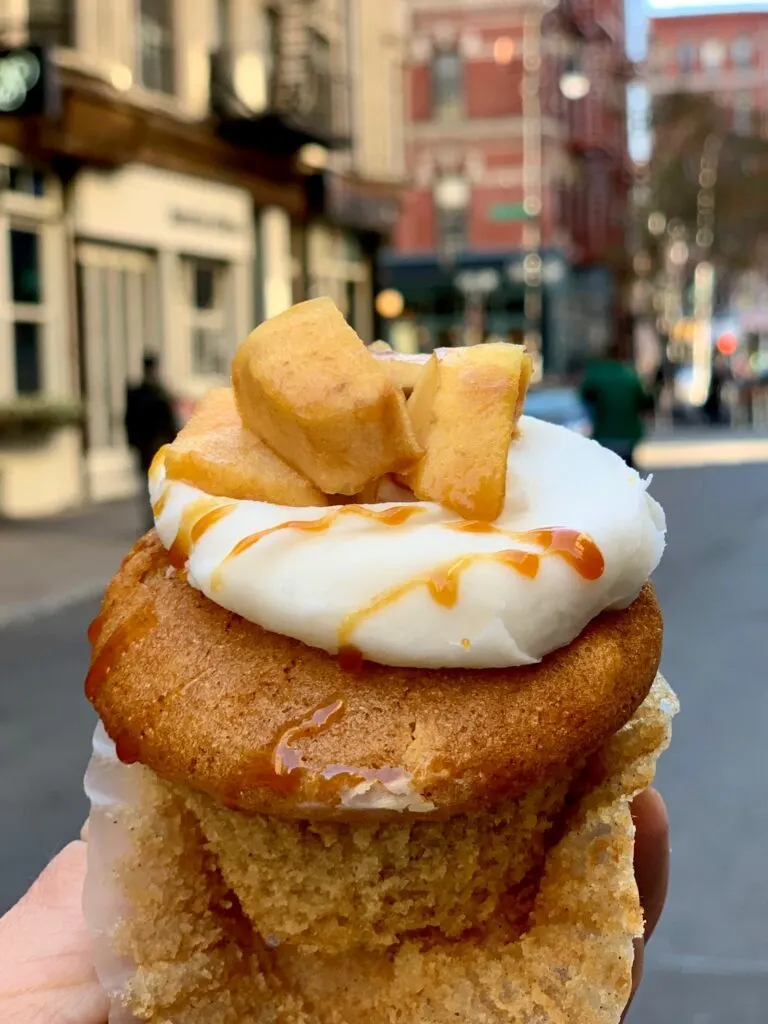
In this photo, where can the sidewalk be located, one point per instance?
(49, 563)
(680, 447)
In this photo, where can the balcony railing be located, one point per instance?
(298, 101)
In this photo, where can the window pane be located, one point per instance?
(51, 23)
(208, 355)
(25, 266)
(156, 46)
(27, 180)
(204, 286)
(686, 56)
(742, 52)
(26, 342)
(446, 81)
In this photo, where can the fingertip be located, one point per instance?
(651, 855)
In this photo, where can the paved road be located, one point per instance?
(709, 961)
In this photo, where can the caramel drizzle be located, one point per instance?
(130, 631)
(196, 519)
(282, 768)
(158, 461)
(394, 516)
(158, 507)
(575, 548)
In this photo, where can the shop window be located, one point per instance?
(446, 84)
(206, 294)
(156, 64)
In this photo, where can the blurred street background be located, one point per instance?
(584, 176)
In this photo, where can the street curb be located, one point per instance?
(691, 454)
(22, 614)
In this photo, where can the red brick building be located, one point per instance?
(723, 54)
(508, 176)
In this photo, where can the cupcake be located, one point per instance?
(374, 698)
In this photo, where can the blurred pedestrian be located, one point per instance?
(714, 407)
(617, 401)
(150, 422)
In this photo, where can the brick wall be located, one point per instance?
(486, 143)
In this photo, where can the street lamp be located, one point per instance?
(574, 82)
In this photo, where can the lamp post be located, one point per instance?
(574, 85)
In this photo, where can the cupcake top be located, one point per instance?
(466, 536)
(357, 604)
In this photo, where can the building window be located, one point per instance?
(451, 209)
(272, 37)
(224, 36)
(686, 56)
(446, 83)
(51, 23)
(712, 55)
(319, 83)
(26, 350)
(742, 52)
(22, 180)
(27, 311)
(210, 343)
(156, 57)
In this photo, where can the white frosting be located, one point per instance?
(305, 585)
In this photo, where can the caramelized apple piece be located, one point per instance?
(387, 489)
(216, 453)
(404, 370)
(306, 384)
(464, 410)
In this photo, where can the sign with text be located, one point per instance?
(28, 83)
(502, 212)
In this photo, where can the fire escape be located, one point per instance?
(284, 92)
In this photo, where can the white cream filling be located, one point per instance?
(307, 584)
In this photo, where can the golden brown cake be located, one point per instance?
(373, 760)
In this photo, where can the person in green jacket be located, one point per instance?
(616, 400)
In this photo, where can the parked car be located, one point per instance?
(562, 406)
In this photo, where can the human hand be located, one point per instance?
(46, 970)
(651, 869)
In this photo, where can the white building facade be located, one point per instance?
(166, 268)
(161, 205)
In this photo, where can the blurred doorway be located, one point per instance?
(120, 320)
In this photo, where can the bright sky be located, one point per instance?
(683, 6)
(637, 12)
